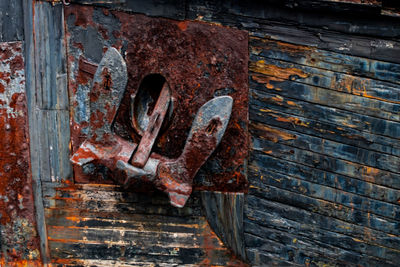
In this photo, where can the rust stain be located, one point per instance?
(295, 121)
(272, 134)
(211, 243)
(18, 238)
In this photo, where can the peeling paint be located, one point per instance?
(19, 243)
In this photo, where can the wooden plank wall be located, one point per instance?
(102, 225)
(324, 167)
(47, 97)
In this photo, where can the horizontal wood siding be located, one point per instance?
(324, 119)
(101, 225)
(325, 167)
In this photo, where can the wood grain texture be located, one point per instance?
(325, 146)
(11, 21)
(324, 166)
(102, 224)
(47, 98)
(324, 105)
(224, 213)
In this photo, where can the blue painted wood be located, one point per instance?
(350, 200)
(370, 178)
(328, 60)
(307, 222)
(324, 170)
(297, 199)
(341, 126)
(341, 82)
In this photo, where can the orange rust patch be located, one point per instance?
(183, 25)
(73, 218)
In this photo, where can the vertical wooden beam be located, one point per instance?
(47, 96)
(224, 213)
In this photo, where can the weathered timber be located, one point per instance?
(224, 213)
(328, 160)
(290, 80)
(344, 126)
(325, 208)
(300, 247)
(314, 127)
(310, 75)
(323, 170)
(11, 21)
(347, 42)
(103, 223)
(47, 101)
(156, 8)
(301, 221)
(323, 59)
(258, 257)
(331, 194)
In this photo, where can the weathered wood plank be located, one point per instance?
(30, 85)
(71, 262)
(224, 213)
(343, 126)
(304, 125)
(258, 257)
(115, 206)
(257, 209)
(51, 92)
(373, 90)
(292, 27)
(139, 254)
(328, 193)
(11, 21)
(317, 95)
(328, 160)
(306, 54)
(127, 237)
(351, 251)
(306, 165)
(326, 208)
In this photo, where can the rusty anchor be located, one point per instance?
(136, 161)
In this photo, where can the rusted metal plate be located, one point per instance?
(19, 243)
(199, 61)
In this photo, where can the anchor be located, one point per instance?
(133, 162)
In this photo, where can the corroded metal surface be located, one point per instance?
(19, 243)
(104, 147)
(199, 61)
